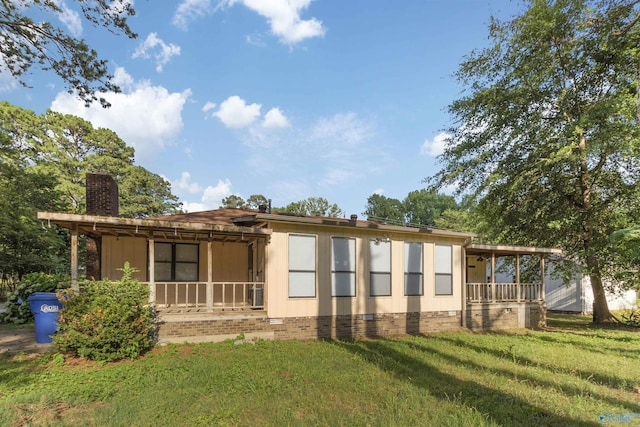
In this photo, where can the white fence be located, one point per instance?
(503, 292)
(209, 295)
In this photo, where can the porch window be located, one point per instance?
(443, 270)
(176, 262)
(380, 268)
(413, 269)
(343, 271)
(302, 266)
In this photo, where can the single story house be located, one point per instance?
(220, 273)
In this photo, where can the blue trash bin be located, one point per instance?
(45, 307)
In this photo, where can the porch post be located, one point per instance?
(518, 291)
(493, 277)
(542, 293)
(210, 275)
(74, 258)
(463, 272)
(152, 270)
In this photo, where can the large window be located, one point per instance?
(380, 267)
(302, 266)
(413, 269)
(443, 270)
(176, 262)
(343, 270)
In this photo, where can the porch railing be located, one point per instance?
(210, 295)
(504, 292)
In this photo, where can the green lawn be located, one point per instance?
(568, 376)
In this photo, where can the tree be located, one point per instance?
(234, 202)
(26, 42)
(423, 207)
(384, 208)
(547, 131)
(313, 206)
(420, 207)
(67, 147)
(25, 245)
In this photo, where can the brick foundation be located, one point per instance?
(502, 316)
(373, 325)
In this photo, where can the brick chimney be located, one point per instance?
(102, 195)
(101, 199)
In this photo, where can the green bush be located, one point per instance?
(107, 321)
(18, 310)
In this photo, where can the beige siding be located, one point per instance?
(118, 250)
(280, 305)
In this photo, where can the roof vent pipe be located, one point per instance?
(269, 207)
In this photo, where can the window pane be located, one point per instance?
(379, 256)
(162, 252)
(443, 259)
(162, 271)
(343, 255)
(413, 257)
(302, 284)
(187, 272)
(186, 253)
(413, 284)
(444, 285)
(380, 284)
(343, 284)
(302, 252)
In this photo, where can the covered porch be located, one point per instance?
(504, 286)
(191, 268)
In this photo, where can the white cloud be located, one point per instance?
(7, 81)
(123, 79)
(145, 116)
(346, 128)
(235, 113)
(378, 191)
(184, 185)
(213, 196)
(275, 119)
(336, 176)
(188, 10)
(208, 106)
(436, 146)
(284, 18)
(70, 18)
(163, 53)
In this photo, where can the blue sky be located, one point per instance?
(286, 98)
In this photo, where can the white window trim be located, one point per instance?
(380, 272)
(407, 273)
(354, 271)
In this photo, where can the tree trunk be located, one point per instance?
(601, 313)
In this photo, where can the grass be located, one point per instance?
(567, 376)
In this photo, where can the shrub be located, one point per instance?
(18, 310)
(108, 320)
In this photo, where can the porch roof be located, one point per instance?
(498, 250)
(95, 225)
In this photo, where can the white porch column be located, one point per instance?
(209, 275)
(518, 290)
(542, 293)
(492, 278)
(74, 259)
(152, 270)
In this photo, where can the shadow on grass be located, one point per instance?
(500, 407)
(578, 340)
(531, 380)
(607, 380)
